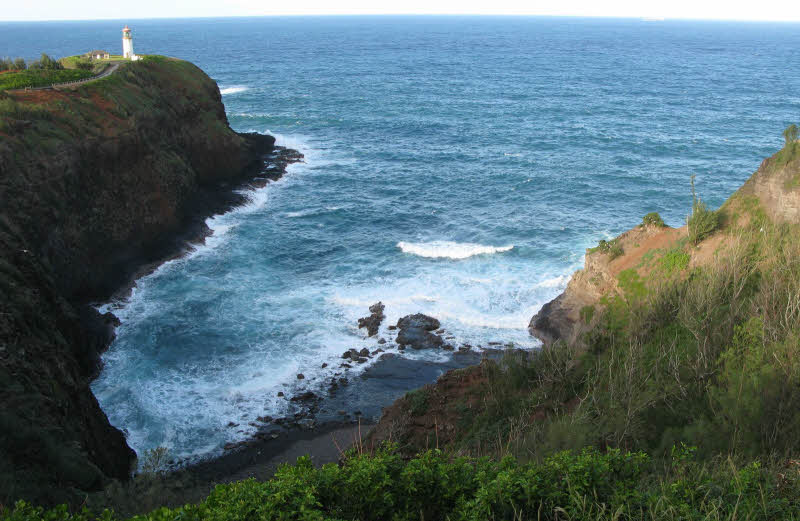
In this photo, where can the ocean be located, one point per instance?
(455, 166)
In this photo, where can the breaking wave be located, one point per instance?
(449, 250)
(232, 90)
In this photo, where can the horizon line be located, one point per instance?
(650, 19)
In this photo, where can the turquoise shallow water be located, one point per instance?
(456, 166)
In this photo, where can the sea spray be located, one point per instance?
(449, 250)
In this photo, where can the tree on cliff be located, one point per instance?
(790, 134)
(7, 64)
(46, 63)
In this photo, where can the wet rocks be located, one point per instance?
(356, 356)
(415, 331)
(307, 396)
(307, 423)
(373, 322)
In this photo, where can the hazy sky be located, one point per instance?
(131, 9)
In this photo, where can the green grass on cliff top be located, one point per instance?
(40, 78)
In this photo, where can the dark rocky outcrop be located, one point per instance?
(415, 331)
(552, 322)
(95, 184)
(373, 322)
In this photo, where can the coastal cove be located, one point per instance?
(452, 166)
(456, 199)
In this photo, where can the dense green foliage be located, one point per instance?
(40, 77)
(585, 485)
(653, 219)
(702, 222)
(612, 248)
(46, 63)
(16, 64)
(674, 260)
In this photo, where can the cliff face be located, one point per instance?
(561, 317)
(94, 183)
(775, 186)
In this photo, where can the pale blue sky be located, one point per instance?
(132, 9)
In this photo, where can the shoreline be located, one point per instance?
(193, 483)
(259, 456)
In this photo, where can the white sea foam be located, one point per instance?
(449, 250)
(555, 282)
(311, 211)
(232, 89)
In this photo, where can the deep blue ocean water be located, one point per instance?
(456, 166)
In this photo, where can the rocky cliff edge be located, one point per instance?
(96, 182)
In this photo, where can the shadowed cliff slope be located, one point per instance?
(95, 182)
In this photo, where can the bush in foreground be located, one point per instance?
(585, 485)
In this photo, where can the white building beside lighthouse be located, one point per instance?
(127, 44)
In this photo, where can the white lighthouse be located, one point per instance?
(127, 44)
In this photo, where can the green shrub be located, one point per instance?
(674, 260)
(653, 219)
(702, 222)
(7, 64)
(418, 401)
(46, 63)
(586, 485)
(611, 248)
(154, 460)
